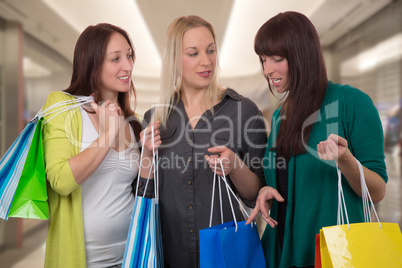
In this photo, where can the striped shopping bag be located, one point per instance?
(144, 242)
(22, 169)
(11, 166)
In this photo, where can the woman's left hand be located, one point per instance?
(226, 156)
(334, 148)
(148, 139)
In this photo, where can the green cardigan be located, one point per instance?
(65, 246)
(312, 197)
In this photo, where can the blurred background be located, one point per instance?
(362, 42)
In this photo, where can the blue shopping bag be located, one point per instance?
(231, 244)
(144, 241)
(223, 246)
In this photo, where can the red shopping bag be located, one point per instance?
(317, 262)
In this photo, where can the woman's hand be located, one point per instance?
(244, 180)
(111, 119)
(334, 148)
(226, 156)
(111, 124)
(148, 146)
(263, 204)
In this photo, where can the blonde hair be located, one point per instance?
(172, 67)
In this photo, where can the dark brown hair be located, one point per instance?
(292, 35)
(89, 54)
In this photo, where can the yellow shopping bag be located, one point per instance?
(363, 245)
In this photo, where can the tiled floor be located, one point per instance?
(33, 251)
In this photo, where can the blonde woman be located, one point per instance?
(198, 122)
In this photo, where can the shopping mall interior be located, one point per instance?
(361, 40)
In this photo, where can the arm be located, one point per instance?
(362, 138)
(61, 141)
(336, 148)
(265, 198)
(111, 123)
(66, 167)
(247, 178)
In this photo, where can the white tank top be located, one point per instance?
(107, 200)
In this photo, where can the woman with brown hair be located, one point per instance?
(91, 154)
(319, 124)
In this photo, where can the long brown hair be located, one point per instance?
(292, 35)
(89, 54)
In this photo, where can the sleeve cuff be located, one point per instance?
(150, 192)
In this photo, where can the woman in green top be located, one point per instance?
(319, 124)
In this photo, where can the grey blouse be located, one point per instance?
(185, 178)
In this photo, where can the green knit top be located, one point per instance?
(312, 183)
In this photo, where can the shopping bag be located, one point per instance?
(362, 245)
(223, 246)
(30, 198)
(317, 261)
(22, 168)
(231, 244)
(368, 244)
(11, 165)
(144, 241)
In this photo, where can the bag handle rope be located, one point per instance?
(73, 103)
(228, 190)
(154, 166)
(366, 198)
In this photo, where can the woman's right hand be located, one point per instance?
(148, 147)
(263, 204)
(111, 117)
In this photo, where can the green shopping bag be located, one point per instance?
(30, 198)
(22, 170)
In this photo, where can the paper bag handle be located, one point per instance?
(154, 167)
(228, 190)
(78, 101)
(366, 198)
